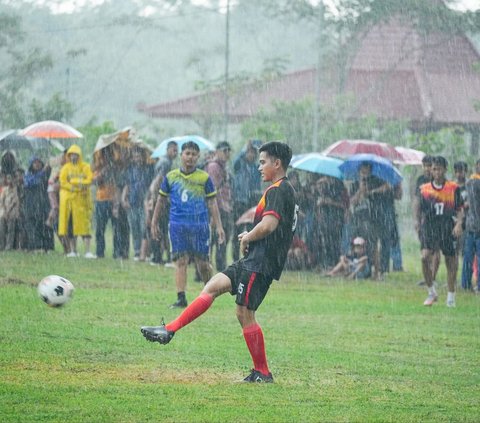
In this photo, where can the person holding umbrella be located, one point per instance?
(36, 206)
(369, 195)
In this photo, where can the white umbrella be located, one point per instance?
(202, 143)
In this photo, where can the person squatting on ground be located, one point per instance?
(264, 250)
(192, 203)
(354, 265)
(440, 204)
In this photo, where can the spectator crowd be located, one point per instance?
(345, 228)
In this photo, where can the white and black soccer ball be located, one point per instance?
(55, 290)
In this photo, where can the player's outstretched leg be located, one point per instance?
(163, 334)
(157, 333)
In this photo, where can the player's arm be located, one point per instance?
(217, 221)
(124, 197)
(382, 189)
(457, 229)
(359, 194)
(157, 212)
(360, 266)
(417, 211)
(264, 228)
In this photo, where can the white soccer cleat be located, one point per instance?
(432, 298)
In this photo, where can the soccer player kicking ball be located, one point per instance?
(264, 251)
(440, 203)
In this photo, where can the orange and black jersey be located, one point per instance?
(440, 204)
(268, 255)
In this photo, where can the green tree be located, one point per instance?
(21, 66)
(293, 122)
(351, 17)
(210, 121)
(448, 142)
(56, 108)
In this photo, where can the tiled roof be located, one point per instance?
(396, 73)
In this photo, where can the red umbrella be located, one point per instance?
(50, 129)
(410, 156)
(346, 148)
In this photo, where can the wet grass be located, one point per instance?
(339, 350)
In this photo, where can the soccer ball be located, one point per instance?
(55, 290)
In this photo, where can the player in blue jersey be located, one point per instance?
(192, 202)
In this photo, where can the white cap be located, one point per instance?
(358, 241)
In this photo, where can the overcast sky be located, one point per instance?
(69, 6)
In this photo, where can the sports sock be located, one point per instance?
(450, 296)
(432, 291)
(196, 308)
(256, 345)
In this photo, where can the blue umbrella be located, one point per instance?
(317, 163)
(202, 143)
(381, 168)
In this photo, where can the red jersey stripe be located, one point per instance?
(263, 201)
(273, 213)
(249, 287)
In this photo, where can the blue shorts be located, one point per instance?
(362, 274)
(190, 240)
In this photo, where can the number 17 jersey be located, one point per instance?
(440, 205)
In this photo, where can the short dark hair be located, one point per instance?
(460, 166)
(171, 144)
(190, 145)
(366, 164)
(278, 150)
(427, 159)
(440, 161)
(223, 145)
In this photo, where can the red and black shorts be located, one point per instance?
(438, 237)
(249, 287)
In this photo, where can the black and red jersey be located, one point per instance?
(439, 205)
(268, 255)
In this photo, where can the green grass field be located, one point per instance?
(339, 350)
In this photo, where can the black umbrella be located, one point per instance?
(11, 140)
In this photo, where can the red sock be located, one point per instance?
(196, 308)
(256, 345)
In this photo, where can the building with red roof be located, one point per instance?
(429, 80)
